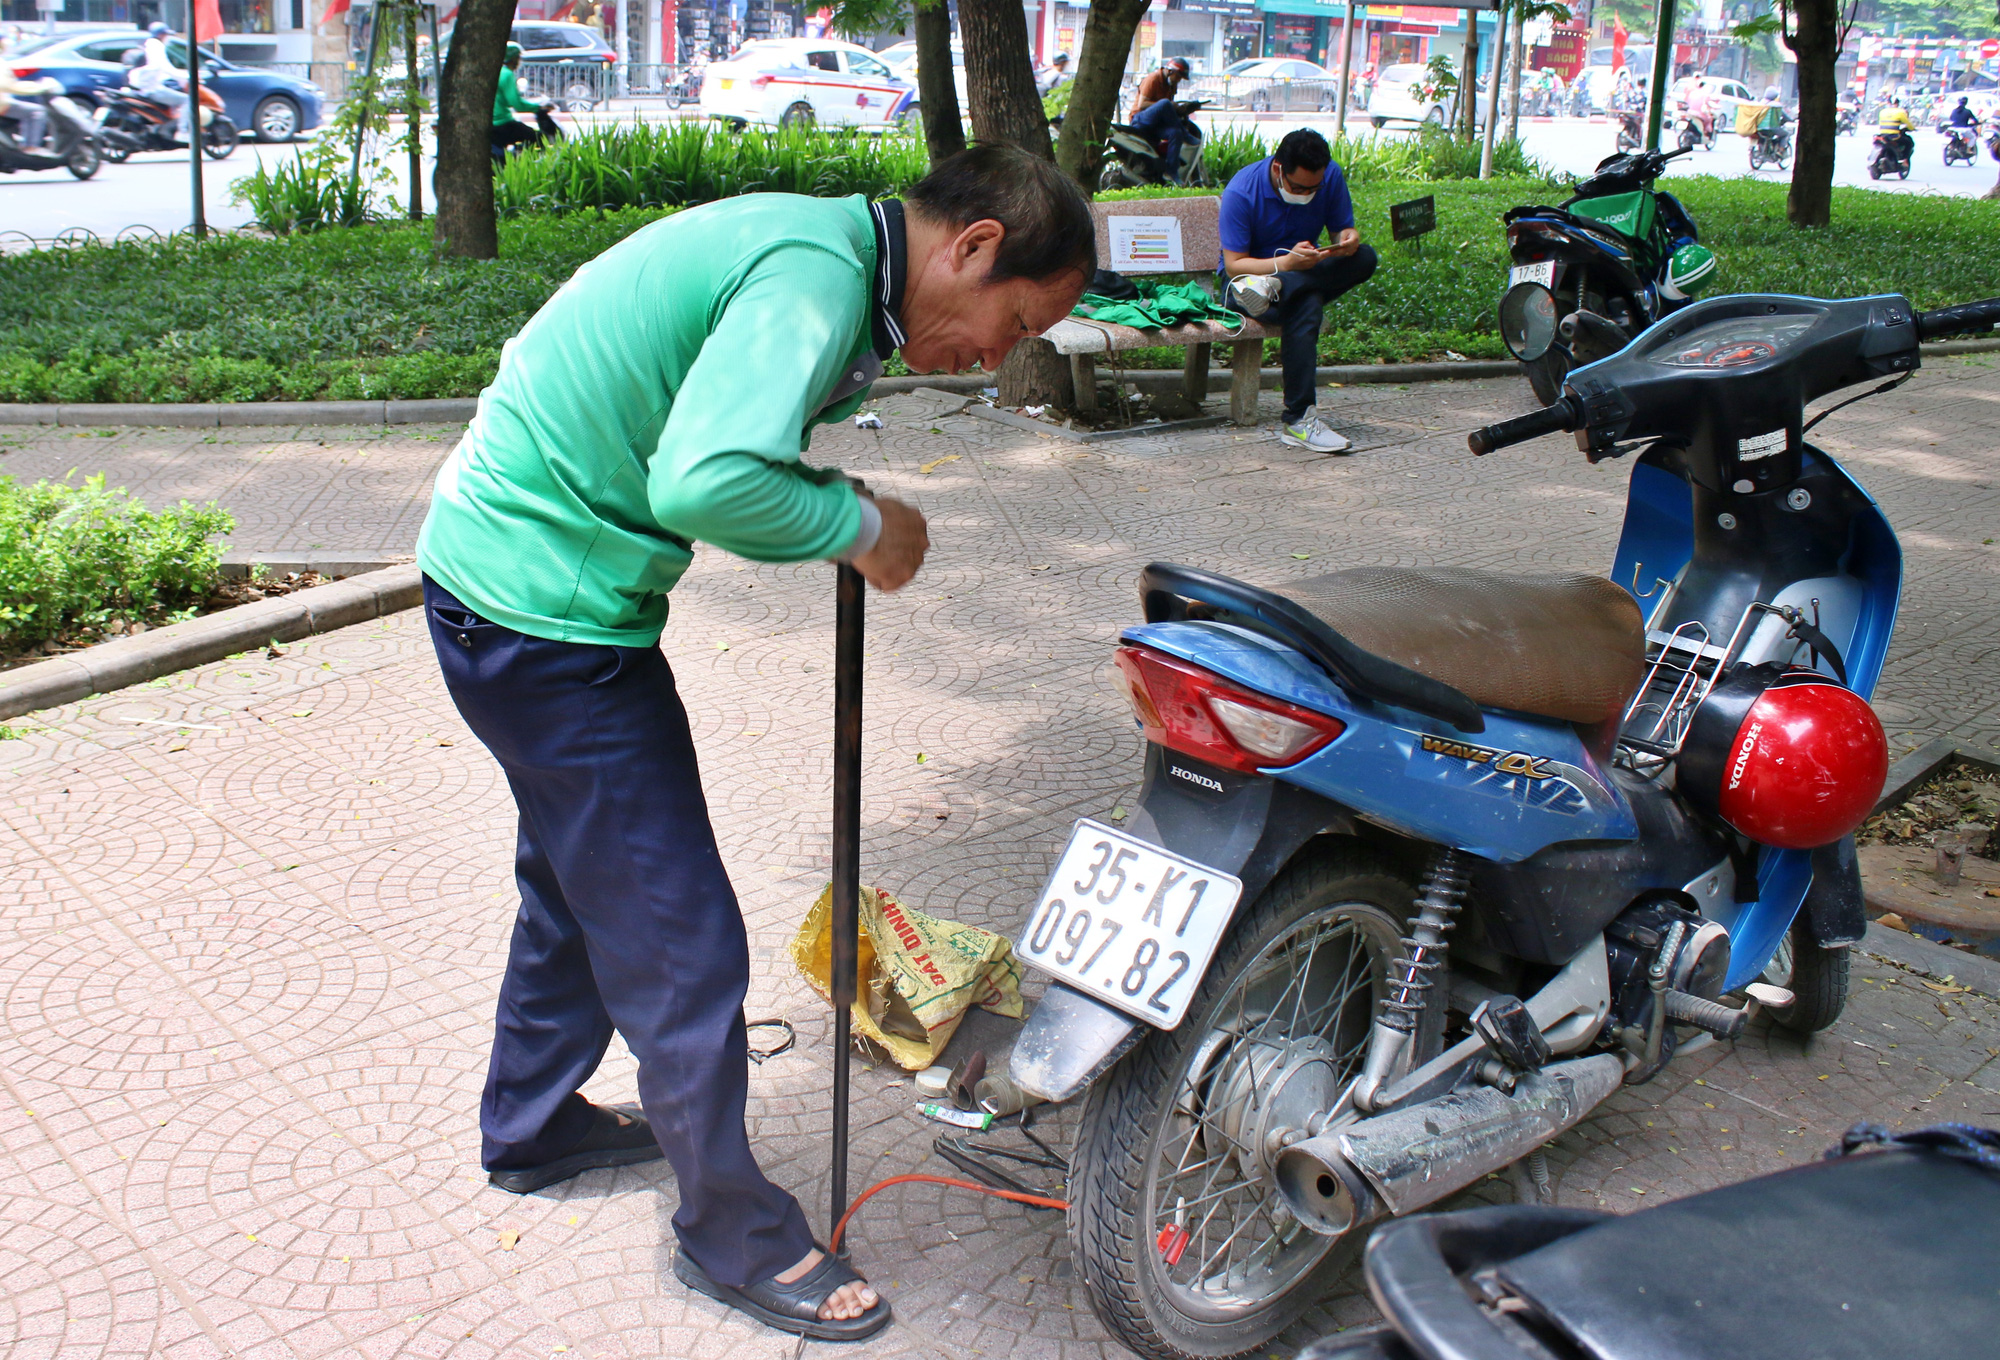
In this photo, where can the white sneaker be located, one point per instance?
(1310, 432)
(1255, 293)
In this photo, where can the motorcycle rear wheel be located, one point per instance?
(84, 159)
(1185, 1250)
(218, 139)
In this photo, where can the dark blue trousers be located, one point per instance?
(1160, 123)
(1299, 312)
(627, 922)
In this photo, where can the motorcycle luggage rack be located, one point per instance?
(1683, 668)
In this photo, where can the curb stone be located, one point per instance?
(1975, 972)
(162, 651)
(458, 410)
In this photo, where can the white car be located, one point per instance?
(1398, 98)
(801, 82)
(902, 59)
(1724, 95)
(1261, 83)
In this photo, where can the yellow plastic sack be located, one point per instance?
(918, 974)
(1749, 115)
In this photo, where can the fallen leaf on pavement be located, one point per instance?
(1302, 557)
(928, 468)
(1944, 990)
(509, 1239)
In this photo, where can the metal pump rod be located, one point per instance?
(199, 222)
(845, 922)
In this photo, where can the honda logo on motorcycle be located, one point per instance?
(1193, 778)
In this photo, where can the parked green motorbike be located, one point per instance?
(1591, 274)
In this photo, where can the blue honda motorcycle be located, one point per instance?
(1429, 862)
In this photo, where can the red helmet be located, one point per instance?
(1787, 757)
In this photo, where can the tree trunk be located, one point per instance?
(465, 224)
(1816, 44)
(1000, 77)
(1093, 99)
(1468, 78)
(1519, 41)
(937, 87)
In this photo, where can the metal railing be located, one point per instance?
(677, 83)
(576, 85)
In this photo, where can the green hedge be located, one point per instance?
(74, 558)
(372, 311)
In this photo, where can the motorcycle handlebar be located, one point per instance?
(1548, 420)
(1967, 316)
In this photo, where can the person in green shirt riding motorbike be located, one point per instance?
(508, 100)
(663, 396)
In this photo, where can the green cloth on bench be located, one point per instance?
(1158, 304)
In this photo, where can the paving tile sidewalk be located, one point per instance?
(254, 914)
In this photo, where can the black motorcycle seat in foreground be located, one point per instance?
(1870, 1257)
(1571, 647)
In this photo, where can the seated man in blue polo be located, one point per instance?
(1273, 214)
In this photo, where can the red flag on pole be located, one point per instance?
(1618, 36)
(207, 20)
(333, 9)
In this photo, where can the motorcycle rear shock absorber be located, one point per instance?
(1427, 954)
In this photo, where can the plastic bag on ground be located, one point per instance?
(918, 974)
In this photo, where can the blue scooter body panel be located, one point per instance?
(1655, 547)
(1521, 785)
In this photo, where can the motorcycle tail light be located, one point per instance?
(1198, 713)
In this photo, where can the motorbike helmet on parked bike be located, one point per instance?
(1786, 756)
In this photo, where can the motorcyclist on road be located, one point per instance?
(1894, 127)
(1161, 84)
(1051, 77)
(1962, 116)
(508, 100)
(1700, 105)
(1166, 127)
(152, 75)
(20, 101)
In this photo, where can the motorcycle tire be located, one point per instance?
(218, 139)
(1626, 142)
(1195, 1086)
(1874, 170)
(1112, 177)
(673, 99)
(84, 159)
(1756, 158)
(1688, 139)
(1545, 375)
(1816, 977)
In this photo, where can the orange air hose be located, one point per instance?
(840, 1228)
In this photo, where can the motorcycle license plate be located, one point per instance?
(1129, 923)
(1543, 273)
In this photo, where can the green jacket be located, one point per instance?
(663, 395)
(507, 98)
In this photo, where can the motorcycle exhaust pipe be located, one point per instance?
(1416, 1156)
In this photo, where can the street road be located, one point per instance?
(152, 190)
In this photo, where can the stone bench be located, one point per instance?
(1082, 340)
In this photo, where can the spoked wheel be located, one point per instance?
(1177, 1230)
(84, 159)
(1815, 975)
(799, 115)
(218, 139)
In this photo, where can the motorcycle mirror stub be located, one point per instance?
(1528, 321)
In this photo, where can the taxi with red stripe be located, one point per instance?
(804, 82)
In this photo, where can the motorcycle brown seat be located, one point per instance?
(1571, 647)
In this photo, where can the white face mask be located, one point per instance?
(1299, 200)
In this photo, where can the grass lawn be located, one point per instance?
(369, 312)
